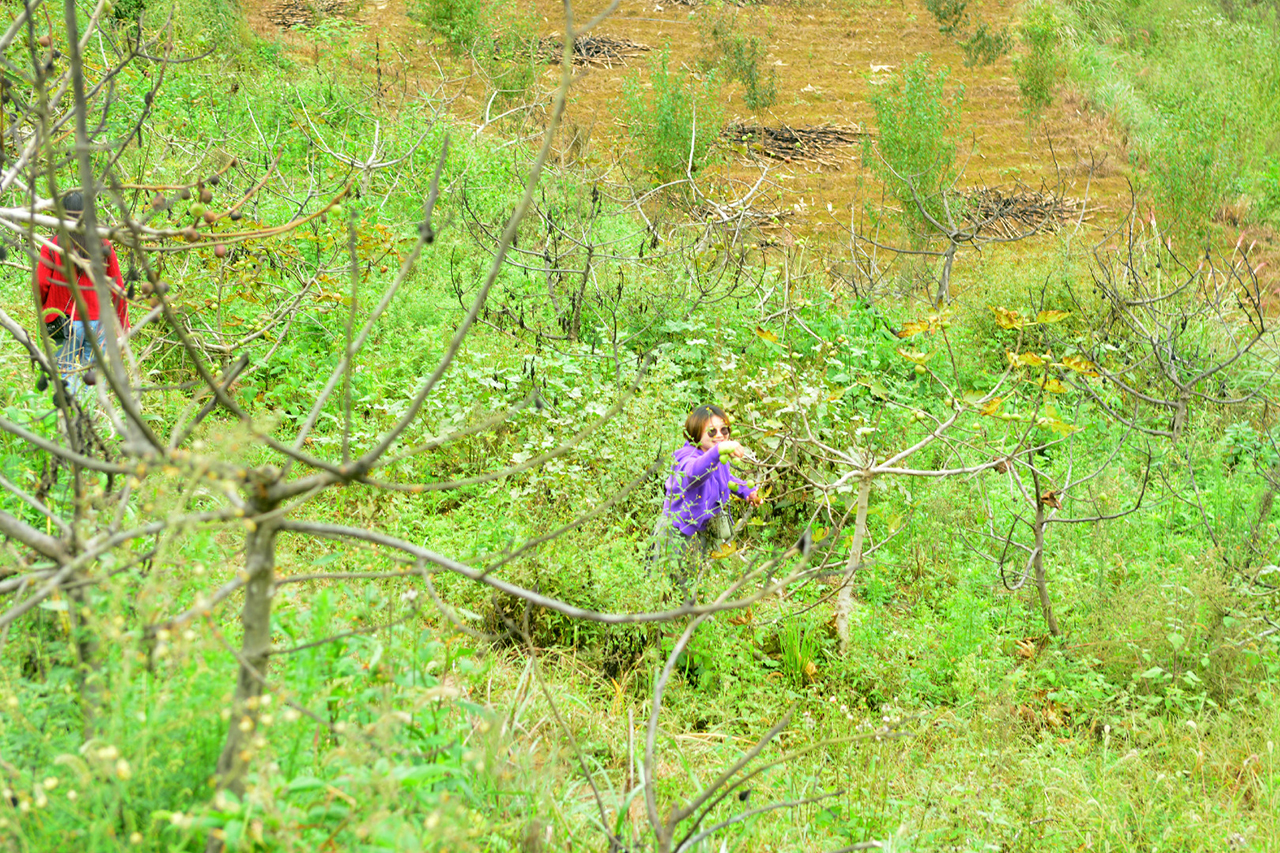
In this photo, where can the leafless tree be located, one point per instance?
(942, 223)
(1174, 336)
(1044, 501)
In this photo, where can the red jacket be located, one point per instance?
(56, 297)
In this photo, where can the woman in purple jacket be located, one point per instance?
(695, 516)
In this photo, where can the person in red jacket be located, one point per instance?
(69, 325)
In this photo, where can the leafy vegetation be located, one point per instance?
(1189, 79)
(915, 149)
(741, 57)
(981, 43)
(674, 118)
(460, 23)
(1039, 68)
(1016, 569)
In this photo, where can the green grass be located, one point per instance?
(1194, 83)
(1150, 723)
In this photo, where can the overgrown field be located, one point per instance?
(350, 547)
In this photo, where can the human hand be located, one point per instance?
(731, 448)
(755, 498)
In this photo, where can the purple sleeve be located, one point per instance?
(698, 466)
(743, 490)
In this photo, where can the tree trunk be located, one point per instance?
(944, 280)
(255, 651)
(88, 659)
(1042, 585)
(844, 599)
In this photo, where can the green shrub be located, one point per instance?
(1189, 162)
(461, 23)
(513, 64)
(740, 56)
(678, 114)
(1040, 65)
(982, 45)
(915, 120)
(1269, 197)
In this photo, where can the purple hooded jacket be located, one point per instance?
(698, 488)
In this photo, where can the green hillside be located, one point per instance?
(347, 541)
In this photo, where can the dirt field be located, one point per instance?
(829, 57)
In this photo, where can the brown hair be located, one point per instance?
(696, 423)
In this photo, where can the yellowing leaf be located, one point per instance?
(1025, 359)
(766, 334)
(991, 406)
(1080, 365)
(917, 357)
(1052, 385)
(726, 549)
(932, 323)
(1052, 316)
(1060, 427)
(915, 327)
(1007, 319)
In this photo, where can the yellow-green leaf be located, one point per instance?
(726, 549)
(1007, 319)
(1058, 426)
(1080, 365)
(1052, 316)
(1025, 359)
(916, 357)
(766, 334)
(1052, 385)
(914, 327)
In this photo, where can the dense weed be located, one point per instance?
(1193, 81)
(1151, 722)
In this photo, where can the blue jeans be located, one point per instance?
(75, 355)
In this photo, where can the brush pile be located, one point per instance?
(1019, 212)
(819, 144)
(291, 14)
(761, 215)
(603, 51)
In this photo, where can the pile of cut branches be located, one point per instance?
(299, 13)
(754, 216)
(1021, 211)
(603, 51)
(818, 144)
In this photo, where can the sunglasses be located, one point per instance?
(713, 432)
